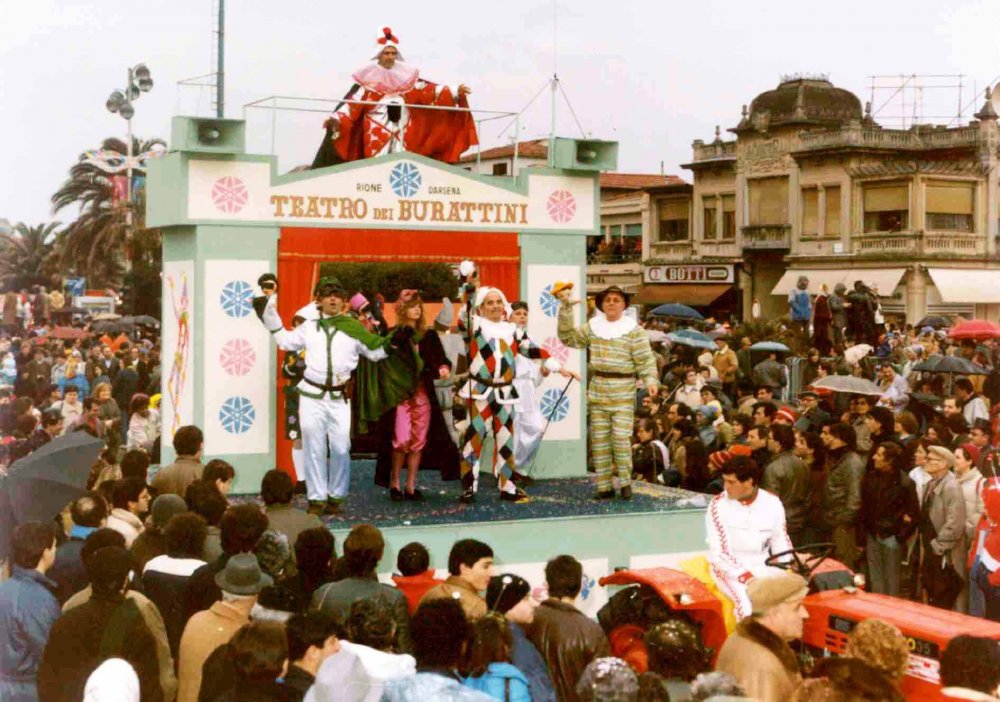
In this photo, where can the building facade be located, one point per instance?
(812, 186)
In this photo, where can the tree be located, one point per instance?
(28, 255)
(97, 243)
(433, 280)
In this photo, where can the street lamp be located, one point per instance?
(120, 102)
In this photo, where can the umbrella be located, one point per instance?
(950, 364)
(854, 354)
(111, 326)
(690, 333)
(39, 485)
(106, 315)
(675, 309)
(975, 329)
(849, 384)
(769, 346)
(656, 336)
(677, 338)
(68, 333)
(718, 333)
(936, 321)
(143, 320)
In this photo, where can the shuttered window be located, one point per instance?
(832, 221)
(673, 209)
(673, 216)
(887, 198)
(949, 198)
(810, 212)
(729, 217)
(768, 201)
(711, 218)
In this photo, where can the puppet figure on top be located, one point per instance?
(395, 117)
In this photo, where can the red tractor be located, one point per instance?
(835, 604)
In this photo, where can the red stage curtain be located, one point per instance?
(301, 250)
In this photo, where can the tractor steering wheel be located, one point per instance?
(803, 562)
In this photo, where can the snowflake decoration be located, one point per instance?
(405, 180)
(237, 357)
(557, 349)
(237, 415)
(236, 298)
(550, 305)
(561, 206)
(555, 405)
(229, 194)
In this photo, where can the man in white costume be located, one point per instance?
(528, 420)
(745, 525)
(333, 342)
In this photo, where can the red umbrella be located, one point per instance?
(975, 329)
(68, 333)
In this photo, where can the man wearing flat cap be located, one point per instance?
(619, 353)
(757, 654)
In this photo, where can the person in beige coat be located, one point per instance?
(757, 654)
(942, 526)
(241, 581)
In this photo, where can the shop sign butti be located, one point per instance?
(695, 273)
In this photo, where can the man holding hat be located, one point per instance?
(619, 353)
(494, 347)
(757, 654)
(333, 342)
(240, 582)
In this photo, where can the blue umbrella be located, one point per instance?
(688, 341)
(769, 346)
(675, 309)
(690, 333)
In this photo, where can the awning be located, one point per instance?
(693, 294)
(964, 285)
(885, 279)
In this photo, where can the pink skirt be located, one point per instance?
(413, 421)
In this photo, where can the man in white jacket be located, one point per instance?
(745, 525)
(528, 419)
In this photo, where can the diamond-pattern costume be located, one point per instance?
(619, 353)
(493, 350)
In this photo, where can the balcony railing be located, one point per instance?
(670, 250)
(910, 139)
(631, 257)
(767, 237)
(918, 243)
(713, 150)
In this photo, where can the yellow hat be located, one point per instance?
(560, 285)
(154, 401)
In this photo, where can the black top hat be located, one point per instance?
(599, 299)
(242, 575)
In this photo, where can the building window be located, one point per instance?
(711, 218)
(831, 225)
(673, 220)
(949, 206)
(500, 169)
(633, 230)
(887, 207)
(768, 201)
(728, 217)
(810, 212)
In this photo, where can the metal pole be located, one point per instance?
(517, 141)
(128, 160)
(552, 133)
(220, 76)
(274, 118)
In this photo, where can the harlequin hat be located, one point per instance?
(386, 39)
(599, 299)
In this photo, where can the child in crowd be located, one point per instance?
(649, 455)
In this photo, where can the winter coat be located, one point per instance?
(165, 580)
(175, 478)
(290, 521)
(760, 660)
(770, 373)
(841, 500)
(947, 516)
(336, 598)
(204, 633)
(726, 364)
(501, 681)
(788, 477)
(568, 640)
(885, 498)
(972, 491)
(529, 661)
(108, 626)
(68, 572)
(422, 687)
(28, 609)
(414, 587)
(472, 603)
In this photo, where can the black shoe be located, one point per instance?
(627, 492)
(518, 495)
(522, 479)
(415, 496)
(468, 497)
(606, 495)
(395, 494)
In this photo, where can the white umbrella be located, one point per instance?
(656, 336)
(854, 354)
(849, 384)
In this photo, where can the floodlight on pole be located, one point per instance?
(115, 101)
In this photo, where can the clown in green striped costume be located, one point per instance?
(619, 353)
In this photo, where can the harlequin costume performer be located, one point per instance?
(619, 353)
(393, 124)
(494, 345)
(333, 344)
(292, 368)
(413, 434)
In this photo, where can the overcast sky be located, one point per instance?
(652, 75)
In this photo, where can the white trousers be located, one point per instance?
(326, 447)
(528, 425)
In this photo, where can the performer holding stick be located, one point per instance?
(333, 344)
(528, 420)
(619, 352)
(494, 345)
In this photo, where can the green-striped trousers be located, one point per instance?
(611, 443)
